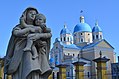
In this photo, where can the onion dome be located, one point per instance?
(56, 62)
(96, 28)
(51, 60)
(82, 26)
(65, 30)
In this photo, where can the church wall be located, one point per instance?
(89, 54)
(80, 37)
(107, 52)
(88, 37)
(76, 38)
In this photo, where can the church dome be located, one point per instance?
(96, 28)
(65, 30)
(82, 27)
(51, 60)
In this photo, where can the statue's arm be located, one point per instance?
(21, 32)
(44, 35)
(41, 36)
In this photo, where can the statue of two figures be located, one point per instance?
(29, 47)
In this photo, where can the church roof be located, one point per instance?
(73, 46)
(94, 44)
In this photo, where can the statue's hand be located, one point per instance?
(38, 29)
(32, 30)
(43, 25)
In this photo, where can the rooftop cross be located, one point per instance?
(96, 23)
(65, 26)
(81, 11)
(81, 17)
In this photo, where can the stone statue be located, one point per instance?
(28, 49)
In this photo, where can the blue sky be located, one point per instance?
(59, 12)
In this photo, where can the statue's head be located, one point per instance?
(29, 14)
(39, 19)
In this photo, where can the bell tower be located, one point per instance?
(97, 33)
(66, 36)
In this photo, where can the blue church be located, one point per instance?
(84, 44)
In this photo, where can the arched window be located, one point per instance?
(81, 39)
(53, 75)
(56, 60)
(96, 36)
(56, 47)
(68, 74)
(67, 38)
(93, 37)
(88, 74)
(100, 36)
(57, 75)
(81, 33)
(73, 54)
(64, 39)
(61, 38)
